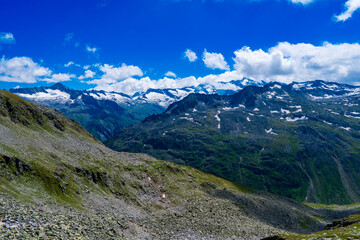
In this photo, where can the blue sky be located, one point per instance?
(122, 43)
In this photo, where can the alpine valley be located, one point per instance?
(62, 183)
(300, 140)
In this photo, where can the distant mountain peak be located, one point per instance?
(59, 86)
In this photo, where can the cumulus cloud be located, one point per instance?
(22, 69)
(91, 49)
(60, 77)
(190, 55)
(115, 74)
(133, 85)
(262, 64)
(25, 70)
(215, 61)
(351, 6)
(88, 74)
(170, 74)
(301, 62)
(284, 62)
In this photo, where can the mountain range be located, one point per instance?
(58, 181)
(300, 140)
(105, 113)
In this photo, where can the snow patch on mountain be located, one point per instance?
(345, 128)
(276, 86)
(350, 116)
(285, 111)
(270, 131)
(295, 119)
(187, 118)
(230, 108)
(112, 96)
(218, 119)
(48, 95)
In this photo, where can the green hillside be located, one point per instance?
(271, 138)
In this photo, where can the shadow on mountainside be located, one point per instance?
(279, 211)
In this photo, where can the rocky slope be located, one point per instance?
(300, 140)
(57, 181)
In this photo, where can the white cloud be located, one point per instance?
(301, 62)
(190, 55)
(216, 79)
(60, 77)
(91, 49)
(25, 70)
(284, 62)
(262, 64)
(115, 74)
(351, 7)
(22, 69)
(69, 64)
(215, 61)
(7, 38)
(303, 2)
(170, 74)
(88, 74)
(133, 85)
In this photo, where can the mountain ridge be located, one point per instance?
(101, 113)
(104, 113)
(304, 132)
